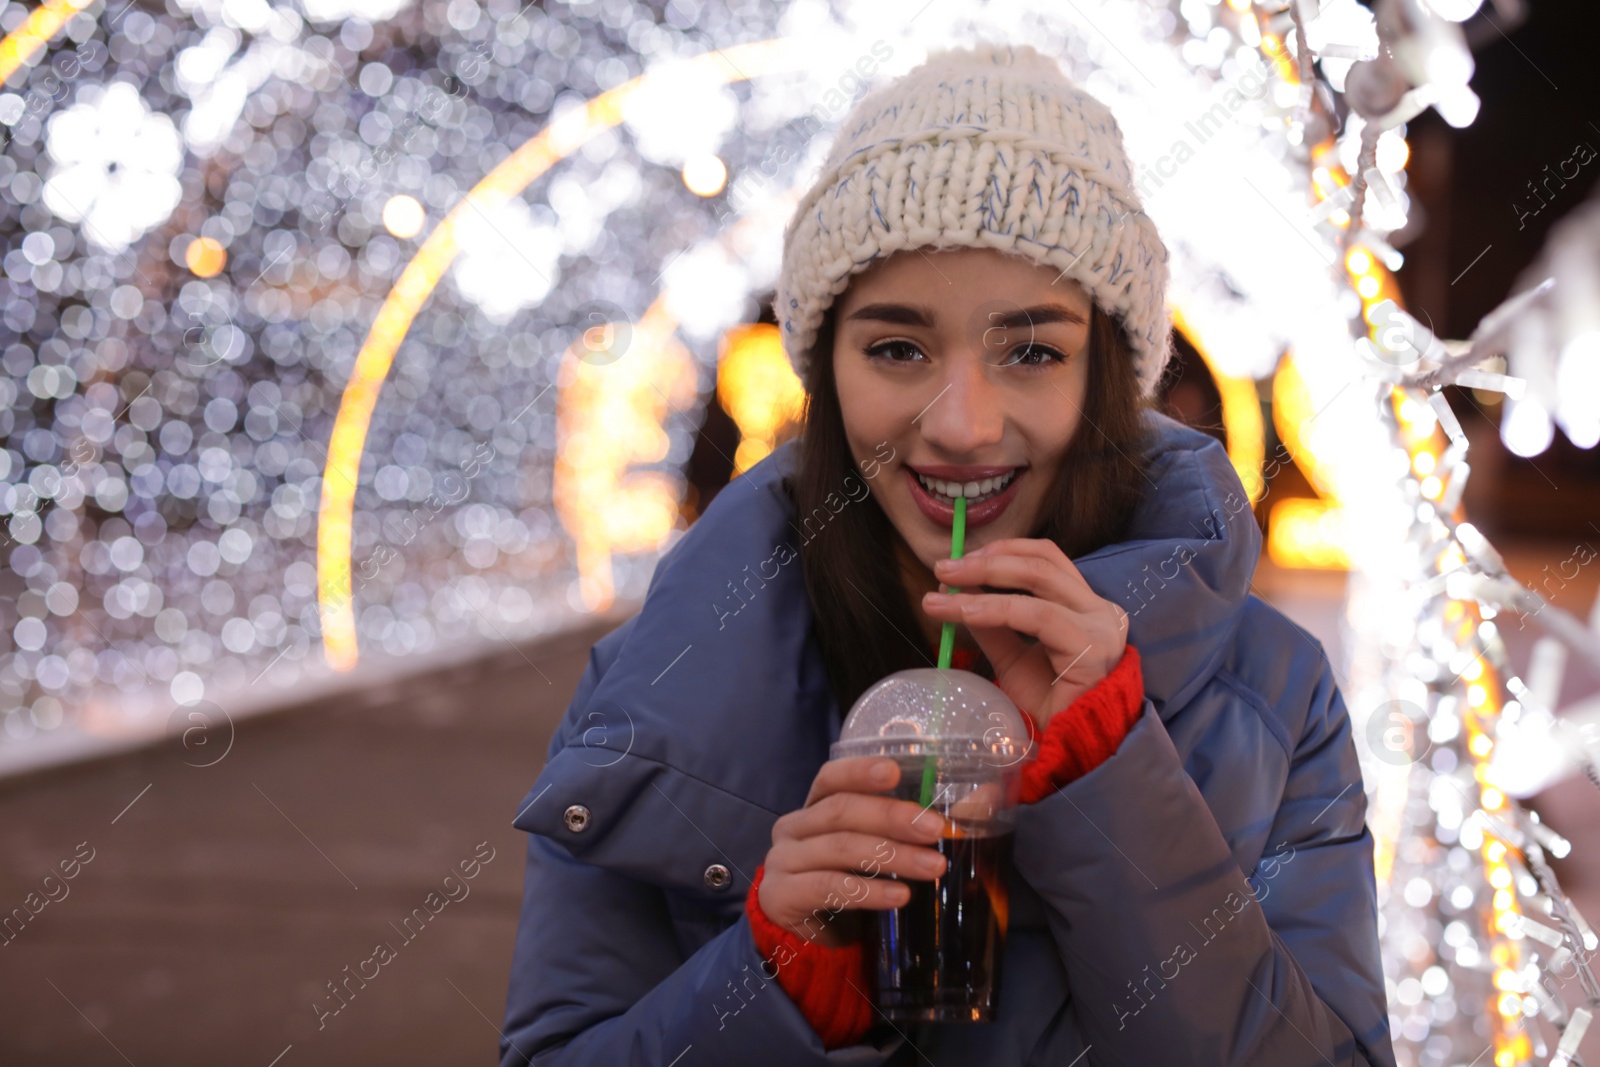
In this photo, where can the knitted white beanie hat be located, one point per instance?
(982, 147)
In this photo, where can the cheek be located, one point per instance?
(1049, 430)
(1056, 415)
(1049, 439)
(867, 410)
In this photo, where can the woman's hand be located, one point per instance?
(1080, 635)
(825, 857)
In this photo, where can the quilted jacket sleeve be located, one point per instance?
(1163, 935)
(597, 981)
(598, 978)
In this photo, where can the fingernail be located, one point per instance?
(944, 564)
(935, 599)
(883, 773)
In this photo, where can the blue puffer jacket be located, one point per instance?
(1205, 896)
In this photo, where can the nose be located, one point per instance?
(968, 414)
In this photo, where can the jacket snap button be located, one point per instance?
(577, 817)
(717, 876)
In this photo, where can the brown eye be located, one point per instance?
(1048, 356)
(882, 350)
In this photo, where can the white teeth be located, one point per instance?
(975, 490)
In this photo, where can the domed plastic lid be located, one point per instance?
(929, 711)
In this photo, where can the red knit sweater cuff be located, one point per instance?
(1088, 732)
(826, 984)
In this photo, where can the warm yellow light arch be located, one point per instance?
(758, 388)
(417, 282)
(36, 31)
(1241, 413)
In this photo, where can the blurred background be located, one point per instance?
(359, 359)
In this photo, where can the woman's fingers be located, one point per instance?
(1045, 620)
(1001, 647)
(881, 817)
(868, 855)
(1066, 643)
(855, 774)
(819, 905)
(816, 888)
(1037, 566)
(1024, 546)
(845, 849)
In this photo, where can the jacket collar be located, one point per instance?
(1183, 568)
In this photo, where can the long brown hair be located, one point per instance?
(864, 616)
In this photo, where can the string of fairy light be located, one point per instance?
(230, 422)
(1527, 958)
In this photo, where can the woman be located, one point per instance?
(974, 302)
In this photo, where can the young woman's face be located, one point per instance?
(972, 364)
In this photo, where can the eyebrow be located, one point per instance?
(915, 315)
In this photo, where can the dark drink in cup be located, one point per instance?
(937, 957)
(960, 744)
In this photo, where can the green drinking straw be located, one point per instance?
(947, 637)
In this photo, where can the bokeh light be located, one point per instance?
(205, 257)
(403, 216)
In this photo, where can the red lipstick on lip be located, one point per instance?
(977, 514)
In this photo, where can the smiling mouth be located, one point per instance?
(945, 492)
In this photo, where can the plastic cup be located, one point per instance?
(937, 958)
